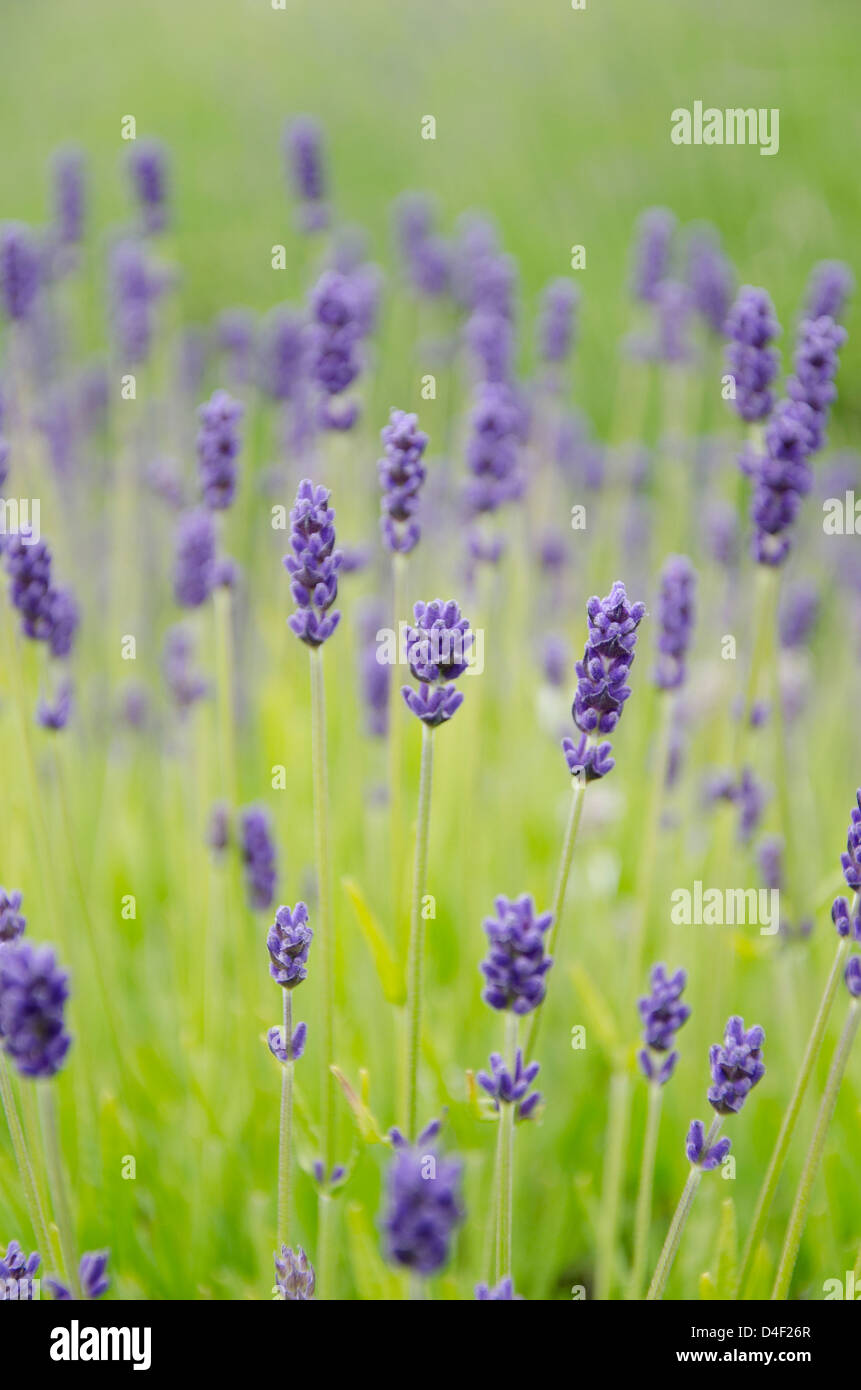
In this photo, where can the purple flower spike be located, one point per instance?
(829, 286)
(695, 1143)
(294, 1275)
(19, 1268)
(845, 923)
(402, 473)
(657, 1069)
(56, 715)
(194, 571)
(33, 994)
(852, 977)
(510, 1088)
(69, 196)
(258, 857)
(20, 270)
(601, 679)
(710, 277)
(662, 1012)
(147, 163)
(333, 337)
(12, 924)
(502, 1293)
(850, 861)
(751, 325)
(303, 148)
(217, 447)
(433, 705)
(497, 430)
(423, 1208)
(675, 614)
(288, 942)
(313, 566)
(278, 1045)
(652, 252)
(516, 966)
(438, 649)
(591, 759)
(736, 1066)
(556, 323)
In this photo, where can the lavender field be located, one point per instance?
(430, 625)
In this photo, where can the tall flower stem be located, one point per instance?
(578, 794)
(614, 1156)
(415, 957)
(679, 1221)
(648, 855)
(790, 1118)
(644, 1192)
(396, 728)
(505, 1160)
(797, 1220)
(224, 694)
(285, 1137)
(327, 947)
(57, 1183)
(22, 1158)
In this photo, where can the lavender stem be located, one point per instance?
(644, 1192)
(22, 1159)
(57, 1185)
(285, 1139)
(415, 961)
(797, 1220)
(327, 948)
(571, 829)
(679, 1221)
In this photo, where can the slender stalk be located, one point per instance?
(224, 695)
(57, 1184)
(22, 1158)
(614, 1153)
(644, 1192)
(396, 727)
(797, 1220)
(505, 1162)
(679, 1221)
(326, 938)
(415, 958)
(573, 825)
(285, 1137)
(648, 856)
(790, 1118)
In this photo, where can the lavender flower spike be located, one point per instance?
(33, 994)
(663, 1015)
(751, 325)
(17, 1268)
(675, 613)
(12, 924)
(288, 942)
(510, 1088)
(652, 251)
(313, 566)
(303, 147)
(402, 473)
(736, 1066)
(699, 1155)
(438, 653)
(147, 163)
(294, 1276)
(92, 1275)
(217, 447)
(852, 976)
(20, 270)
(829, 286)
(602, 675)
(194, 572)
(286, 1051)
(556, 322)
(423, 1207)
(516, 965)
(502, 1293)
(258, 857)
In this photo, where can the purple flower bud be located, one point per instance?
(194, 564)
(186, 685)
(736, 1066)
(294, 1275)
(55, 716)
(516, 965)
(279, 1047)
(303, 148)
(33, 994)
(288, 942)
(850, 861)
(17, 1268)
(401, 473)
(710, 277)
(662, 1012)
(438, 653)
(829, 286)
(844, 922)
(69, 196)
(751, 325)
(218, 444)
(675, 614)
(20, 270)
(652, 252)
(852, 977)
(258, 857)
(556, 320)
(313, 566)
(503, 1292)
(423, 1207)
(695, 1144)
(12, 924)
(511, 1087)
(147, 163)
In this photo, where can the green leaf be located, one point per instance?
(365, 1120)
(727, 1250)
(389, 971)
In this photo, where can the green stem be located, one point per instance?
(396, 727)
(648, 856)
(285, 1137)
(617, 1133)
(224, 695)
(556, 906)
(326, 939)
(25, 1168)
(57, 1184)
(415, 959)
(505, 1159)
(679, 1221)
(797, 1220)
(790, 1118)
(644, 1192)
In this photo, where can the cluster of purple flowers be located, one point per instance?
(18, 1269)
(48, 614)
(601, 679)
(257, 848)
(92, 1276)
(751, 326)
(334, 336)
(33, 994)
(217, 448)
(425, 254)
(288, 942)
(497, 433)
(402, 473)
(830, 285)
(653, 246)
(438, 649)
(710, 278)
(147, 162)
(675, 614)
(20, 270)
(516, 965)
(845, 916)
(303, 148)
(424, 1205)
(186, 684)
(69, 196)
(511, 1086)
(294, 1275)
(12, 924)
(663, 1014)
(556, 321)
(195, 560)
(736, 1066)
(313, 566)
(135, 288)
